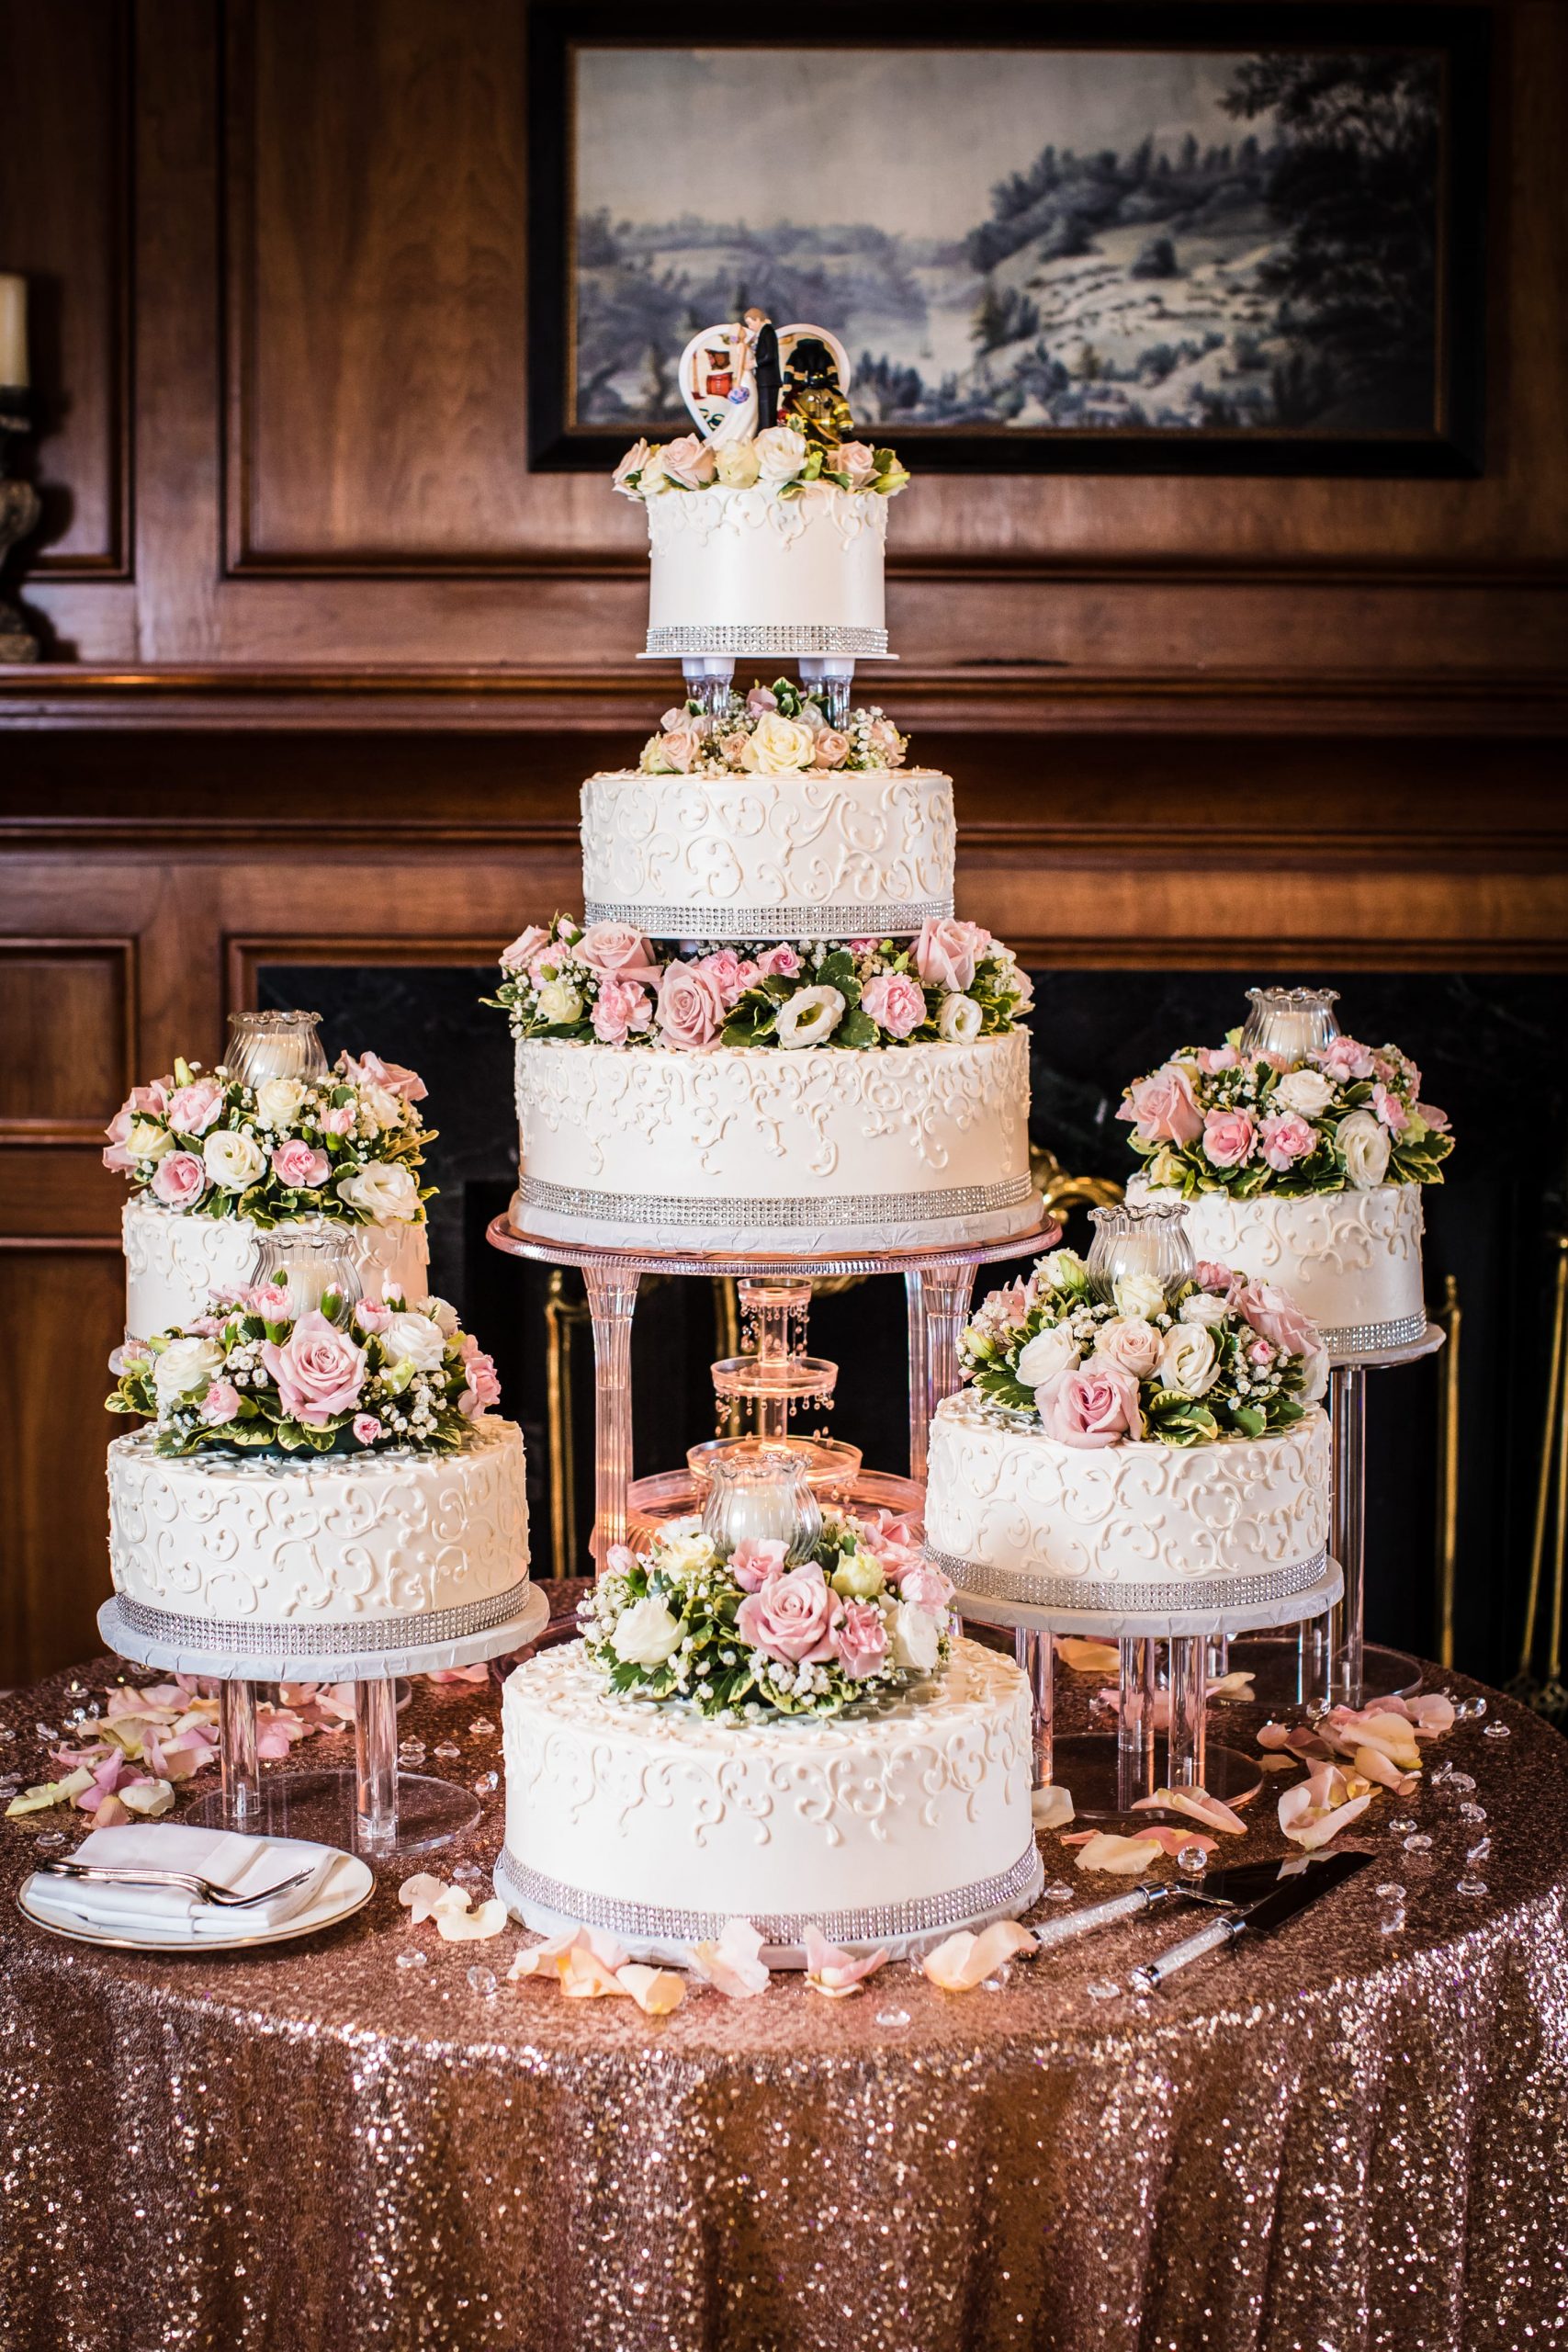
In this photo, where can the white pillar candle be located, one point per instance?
(13, 329)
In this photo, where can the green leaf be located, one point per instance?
(838, 971)
(857, 1029)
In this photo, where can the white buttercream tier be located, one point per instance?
(173, 1260)
(893, 1827)
(280, 1554)
(758, 1149)
(1015, 1516)
(1351, 1260)
(830, 855)
(746, 572)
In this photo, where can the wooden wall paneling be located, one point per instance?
(68, 1018)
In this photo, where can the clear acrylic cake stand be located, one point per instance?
(375, 1810)
(937, 1283)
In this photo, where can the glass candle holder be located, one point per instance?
(274, 1045)
(310, 1260)
(1141, 1237)
(760, 1497)
(1288, 1025)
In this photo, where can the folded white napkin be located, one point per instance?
(245, 1865)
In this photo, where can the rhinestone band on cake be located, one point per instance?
(851, 1208)
(1071, 1593)
(288, 1637)
(787, 640)
(1375, 1339)
(885, 918)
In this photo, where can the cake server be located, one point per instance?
(1293, 1894)
(1237, 1888)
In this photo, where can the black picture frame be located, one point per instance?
(1461, 36)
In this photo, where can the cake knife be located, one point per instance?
(1261, 1919)
(1235, 1889)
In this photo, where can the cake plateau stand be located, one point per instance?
(375, 1810)
(1107, 1774)
(937, 1283)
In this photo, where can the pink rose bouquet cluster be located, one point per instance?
(951, 983)
(348, 1146)
(753, 1634)
(778, 462)
(1214, 1120)
(1226, 1358)
(773, 731)
(257, 1374)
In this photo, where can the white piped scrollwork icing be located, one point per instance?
(173, 1262)
(331, 1538)
(1014, 1500)
(747, 558)
(1347, 1259)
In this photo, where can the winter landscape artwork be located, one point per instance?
(1028, 244)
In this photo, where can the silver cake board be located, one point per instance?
(321, 1666)
(1213, 1621)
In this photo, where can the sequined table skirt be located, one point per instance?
(1339, 2139)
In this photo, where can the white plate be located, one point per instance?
(348, 1887)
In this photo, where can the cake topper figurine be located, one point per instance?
(733, 377)
(814, 399)
(765, 344)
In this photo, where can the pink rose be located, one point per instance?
(895, 1541)
(861, 1641)
(338, 1119)
(732, 747)
(759, 702)
(689, 462)
(1089, 1405)
(1212, 1059)
(884, 737)
(830, 749)
(682, 747)
(864, 947)
(620, 1007)
(483, 1389)
(926, 1587)
(755, 1559)
(367, 1428)
(141, 1103)
(730, 973)
(1260, 1353)
(1286, 1137)
(1343, 1059)
(318, 1369)
(179, 1180)
(220, 1403)
(617, 949)
(691, 1009)
(298, 1165)
(1437, 1120)
(895, 1002)
(637, 457)
(193, 1108)
(1213, 1276)
(1229, 1139)
(270, 1301)
(1163, 1107)
(619, 1560)
(946, 951)
(676, 716)
(371, 1314)
(525, 948)
(856, 461)
(784, 961)
(792, 1617)
(372, 1070)
(1273, 1314)
(1390, 1110)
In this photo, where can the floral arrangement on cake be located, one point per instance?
(951, 983)
(778, 460)
(347, 1146)
(1212, 1119)
(1230, 1357)
(747, 1635)
(773, 731)
(259, 1374)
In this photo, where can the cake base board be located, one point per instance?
(321, 1806)
(1213, 1621)
(523, 1240)
(1275, 1665)
(1085, 1765)
(323, 1665)
(1391, 1359)
(677, 1952)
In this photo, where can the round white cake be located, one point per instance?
(759, 1149)
(174, 1260)
(331, 1554)
(1013, 1515)
(747, 572)
(838, 855)
(890, 1828)
(1350, 1260)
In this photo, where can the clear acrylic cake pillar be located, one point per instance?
(938, 1300)
(237, 1753)
(1035, 1653)
(827, 679)
(1347, 1421)
(1135, 1721)
(1186, 1741)
(376, 1765)
(612, 1302)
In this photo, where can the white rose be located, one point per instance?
(681, 1556)
(444, 1316)
(231, 1159)
(384, 1108)
(1050, 1351)
(277, 1102)
(1131, 1343)
(915, 1633)
(147, 1140)
(809, 1017)
(1206, 1307)
(647, 1633)
(1189, 1360)
(781, 452)
(777, 746)
(381, 1191)
(735, 464)
(186, 1368)
(416, 1339)
(1139, 1296)
(1306, 1090)
(958, 1022)
(559, 1001)
(1365, 1142)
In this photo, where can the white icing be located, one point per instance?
(1345, 1257)
(1015, 1500)
(895, 1123)
(880, 838)
(325, 1540)
(648, 1804)
(172, 1261)
(749, 558)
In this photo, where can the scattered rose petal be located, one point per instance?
(420, 1895)
(44, 1794)
(148, 1798)
(1087, 1657)
(459, 1674)
(1431, 1713)
(733, 1964)
(1052, 1806)
(1373, 1765)
(1107, 1849)
(834, 1971)
(1198, 1805)
(109, 1814)
(466, 1927)
(1319, 1807)
(656, 1991)
(1280, 1763)
(965, 1960)
(550, 1958)
(1348, 1728)
(584, 1976)
(1235, 1685)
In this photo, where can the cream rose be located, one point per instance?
(1131, 1342)
(382, 1192)
(777, 746)
(1207, 1308)
(382, 1104)
(646, 1634)
(916, 1636)
(1366, 1143)
(147, 1140)
(685, 1555)
(1139, 1296)
(781, 452)
(1050, 1351)
(414, 1338)
(278, 1100)
(809, 1017)
(1306, 1090)
(1189, 1360)
(559, 1003)
(186, 1368)
(958, 1022)
(735, 462)
(231, 1159)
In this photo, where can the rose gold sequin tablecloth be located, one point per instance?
(1334, 2142)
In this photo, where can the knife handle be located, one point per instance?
(1213, 1938)
(1073, 1924)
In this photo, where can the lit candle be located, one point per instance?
(1290, 1022)
(13, 330)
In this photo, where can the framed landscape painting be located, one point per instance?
(1206, 238)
